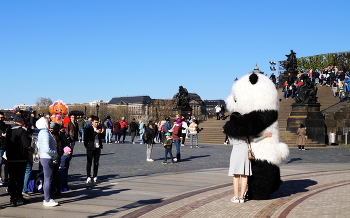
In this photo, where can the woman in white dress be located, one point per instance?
(240, 167)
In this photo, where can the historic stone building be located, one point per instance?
(136, 106)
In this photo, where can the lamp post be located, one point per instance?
(273, 68)
(97, 108)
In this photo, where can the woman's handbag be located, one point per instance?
(250, 152)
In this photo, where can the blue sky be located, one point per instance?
(80, 51)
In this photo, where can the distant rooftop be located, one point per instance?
(135, 99)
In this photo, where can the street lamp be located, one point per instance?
(97, 108)
(272, 67)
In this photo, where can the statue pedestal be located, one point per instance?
(311, 116)
(182, 111)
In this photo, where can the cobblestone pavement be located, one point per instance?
(196, 187)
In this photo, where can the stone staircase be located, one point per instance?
(212, 128)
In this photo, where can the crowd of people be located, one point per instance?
(53, 144)
(338, 80)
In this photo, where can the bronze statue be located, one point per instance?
(307, 92)
(182, 98)
(291, 62)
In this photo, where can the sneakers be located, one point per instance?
(96, 179)
(133, 142)
(197, 146)
(225, 143)
(25, 194)
(235, 200)
(88, 180)
(141, 143)
(175, 159)
(241, 200)
(150, 160)
(183, 145)
(164, 162)
(191, 146)
(1, 182)
(50, 203)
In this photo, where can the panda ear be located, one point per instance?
(253, 78)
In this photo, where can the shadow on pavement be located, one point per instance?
(293, 187)
(130, 206)
(293, 160)
(194, 157)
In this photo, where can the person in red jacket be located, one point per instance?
(176, 133)
(123, 128)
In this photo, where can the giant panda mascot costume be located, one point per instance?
(254, 102)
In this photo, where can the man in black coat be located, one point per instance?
(3, 130)
(93, 145)
(17, 150)
(133, 129)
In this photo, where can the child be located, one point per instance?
(341, 92)
(65, 158)
(168, 146)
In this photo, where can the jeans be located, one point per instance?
(122, 133)
(26, 176)
(72, 144)
(149, 150)
(47, 164)
(117, 136)
(82, 135)
(108, 135)
(1, 158)
(168, 151)
(194, 137)
(285, 93)
(92, 154)
(177, 146)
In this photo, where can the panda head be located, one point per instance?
(252, 92)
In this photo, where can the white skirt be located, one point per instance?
(239, 162)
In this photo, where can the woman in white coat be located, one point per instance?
(48, 153)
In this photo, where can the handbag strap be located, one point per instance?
(248, 143)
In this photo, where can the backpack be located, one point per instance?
(107, 124)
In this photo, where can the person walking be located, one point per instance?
(217, 111)
(133, 129)
(48, 153)
(301, 138)
(93, 145)
(141, 130)
(81, 124)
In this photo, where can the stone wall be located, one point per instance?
(335, 121)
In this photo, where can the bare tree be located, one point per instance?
(161, 109)
(42, 105)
